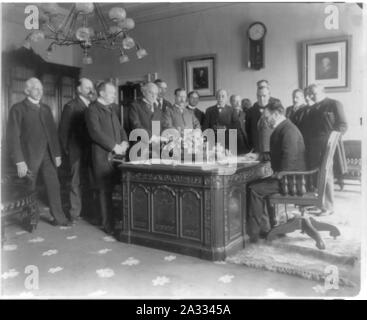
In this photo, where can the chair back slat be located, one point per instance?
(326, 164)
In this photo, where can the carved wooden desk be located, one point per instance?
(187, 209)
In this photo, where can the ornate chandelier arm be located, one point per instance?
(72, 23)
(109, 46)
(66, 20)
(101, 19)
(51, 28)
(61, 41)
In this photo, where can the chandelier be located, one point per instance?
(75, 29)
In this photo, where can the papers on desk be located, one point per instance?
(236, 160)
(226, 161)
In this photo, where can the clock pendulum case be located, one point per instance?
(256, 36)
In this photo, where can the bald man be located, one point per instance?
(34, 146)
(75, 143)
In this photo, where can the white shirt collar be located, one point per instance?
(101, 101)
(148, 103)
(85, 100)
(179, 108)
(279, 122)
(33, 101)
(191, 107)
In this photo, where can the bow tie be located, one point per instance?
(108, 107)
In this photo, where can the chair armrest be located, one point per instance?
(281, 174)
(296, 182)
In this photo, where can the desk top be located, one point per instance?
(196, 168)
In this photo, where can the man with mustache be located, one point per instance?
(75, 143)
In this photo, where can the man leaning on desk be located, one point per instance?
(107, 135)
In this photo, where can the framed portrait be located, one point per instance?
(327, 62)
(200, 75)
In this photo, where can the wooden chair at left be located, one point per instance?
(18, 198)
(298, 188)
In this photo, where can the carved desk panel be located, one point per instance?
(187, 209)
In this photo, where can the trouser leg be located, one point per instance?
(51, 181)
(258, 217)
(329, 192)
(105, 202)
(75, 190)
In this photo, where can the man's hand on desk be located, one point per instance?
(252, 156)
(124, 145)
(118, 149)
(276, 175)
(58, 161)
(22, 169)
(154, 139)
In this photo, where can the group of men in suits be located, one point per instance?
(91, 130)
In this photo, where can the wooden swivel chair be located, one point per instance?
(298, 188)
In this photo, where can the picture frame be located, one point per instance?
(199, 74)
(327, 62)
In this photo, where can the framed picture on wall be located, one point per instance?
(327, 62)
(200, 75)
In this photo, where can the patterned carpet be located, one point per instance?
(81, 261)
(296, 254)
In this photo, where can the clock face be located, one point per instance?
(256, 31)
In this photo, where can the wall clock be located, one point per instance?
(256, 35)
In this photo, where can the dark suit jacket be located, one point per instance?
(243, 145)
(287, 148)
(166, 104)
(31, 131)
(174, 118)
(200, 115)
(105, 131)
(299, 117)
(141, 116)
(73, 131)
(226, 119)
(323, 117)
(258, 133)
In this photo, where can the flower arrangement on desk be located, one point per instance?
(192, 147)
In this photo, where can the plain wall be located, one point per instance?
(222, 31)
(14, 34)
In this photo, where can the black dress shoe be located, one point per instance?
(74, 220)
(65, 224)
(56, 223)
(254, 239)
(108, 230)
(263, 234)
(53, 222)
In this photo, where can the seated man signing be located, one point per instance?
(287, 153)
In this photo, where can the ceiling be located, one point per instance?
(142, 12)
